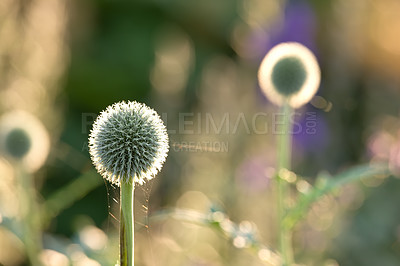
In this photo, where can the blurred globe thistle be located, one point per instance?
(289, 73)
(23, 138)
(128, 142)
(17, 143)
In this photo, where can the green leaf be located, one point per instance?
(326, 184)
(69, 194)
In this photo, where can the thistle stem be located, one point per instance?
(127, 229)
(29, 213)
(284, 156)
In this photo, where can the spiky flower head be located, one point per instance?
(24, 139)
(289, 73)
(128, 143)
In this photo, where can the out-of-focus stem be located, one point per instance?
(127, 229)
(29, 211)
(68, 194)
(284, 157)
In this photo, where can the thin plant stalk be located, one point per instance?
(127, 228)
(284, 158)
(30, 216)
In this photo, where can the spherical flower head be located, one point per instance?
(289, 73)
(128, 143)
(23, 138)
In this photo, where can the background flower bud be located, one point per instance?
(289, 73)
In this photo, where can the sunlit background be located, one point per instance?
(195, 63)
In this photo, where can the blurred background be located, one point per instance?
(195, 63)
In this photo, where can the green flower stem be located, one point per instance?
(127, 229)
(30, 216)
(284, 156)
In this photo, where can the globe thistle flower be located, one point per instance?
(128, 142)
(290, 74)
(23, 138)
